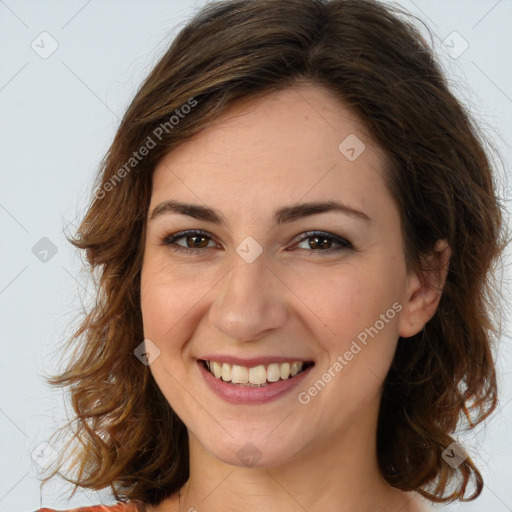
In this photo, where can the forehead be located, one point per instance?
(288, 146)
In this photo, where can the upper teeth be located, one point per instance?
(256, 375)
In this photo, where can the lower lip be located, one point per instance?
(248, 395)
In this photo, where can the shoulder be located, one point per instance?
(118, 507)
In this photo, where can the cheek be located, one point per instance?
(160, 306)
(348, 300)
(359, 311)
(169, 307)
(167, 297)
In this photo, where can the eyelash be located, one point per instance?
(170, 241)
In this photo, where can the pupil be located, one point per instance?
(317, 244)
(194, 238)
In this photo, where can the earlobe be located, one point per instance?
(424, 290)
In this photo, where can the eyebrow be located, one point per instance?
(281, 216)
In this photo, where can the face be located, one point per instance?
(264, 282)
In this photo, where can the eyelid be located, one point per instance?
(171, 238)
(342, 242)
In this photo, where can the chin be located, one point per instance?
(253, 452)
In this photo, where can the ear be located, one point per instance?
(424, 291)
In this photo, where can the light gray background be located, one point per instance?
(58, 117)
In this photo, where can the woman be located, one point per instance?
(226, 364)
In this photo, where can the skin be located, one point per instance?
(260, 155)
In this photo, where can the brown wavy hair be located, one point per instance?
(375, 60)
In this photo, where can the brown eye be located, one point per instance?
(195, 241)
(321, 241)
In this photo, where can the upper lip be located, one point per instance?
(253, 361)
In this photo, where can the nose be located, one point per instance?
(250, 301)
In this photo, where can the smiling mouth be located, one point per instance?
(257, 376)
